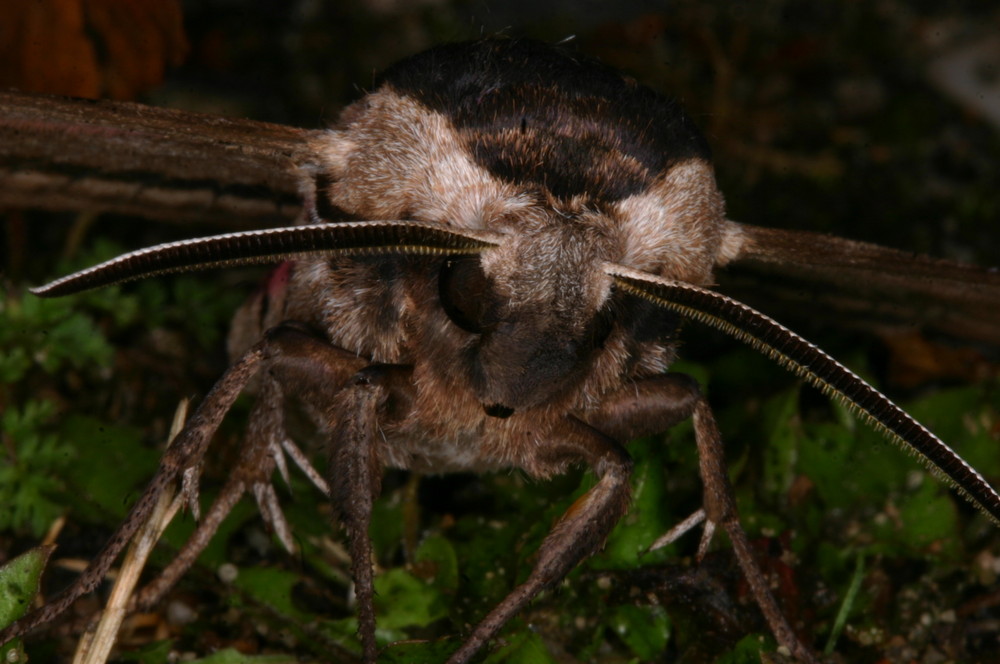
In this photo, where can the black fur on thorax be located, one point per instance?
(541, 116)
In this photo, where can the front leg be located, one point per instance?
(376, 395)
(720, 508)
(654, 405)
(578, 533)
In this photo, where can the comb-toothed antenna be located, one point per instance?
(816, 367)
(274, 245)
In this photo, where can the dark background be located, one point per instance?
(821, 116)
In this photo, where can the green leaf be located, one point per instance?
(648, 516)
(19, 585)
(273, 588)
(747, 651)
(30, 479)
(438, 552)
(404, 601)
(645, 629)
(112, 464)
(929, 517)
(783, 434)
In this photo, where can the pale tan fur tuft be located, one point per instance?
(674, 229)
(734, 242)
(396, 159)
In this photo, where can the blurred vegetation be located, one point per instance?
(821, 117)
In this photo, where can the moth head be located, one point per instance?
(535, 306)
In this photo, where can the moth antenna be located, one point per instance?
(272, 246)
(819, 369)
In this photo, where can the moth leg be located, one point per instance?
(720, 506)
(648, 406)
(578, 533)
(353, 400)
(292, 355)
(375, 395)
(154, 591)
(656, 404)
(682, 528)
(186, 452)
(305, 465)
(254, 468)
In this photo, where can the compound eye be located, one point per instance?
(464, 292)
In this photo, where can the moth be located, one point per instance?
(499, 245)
